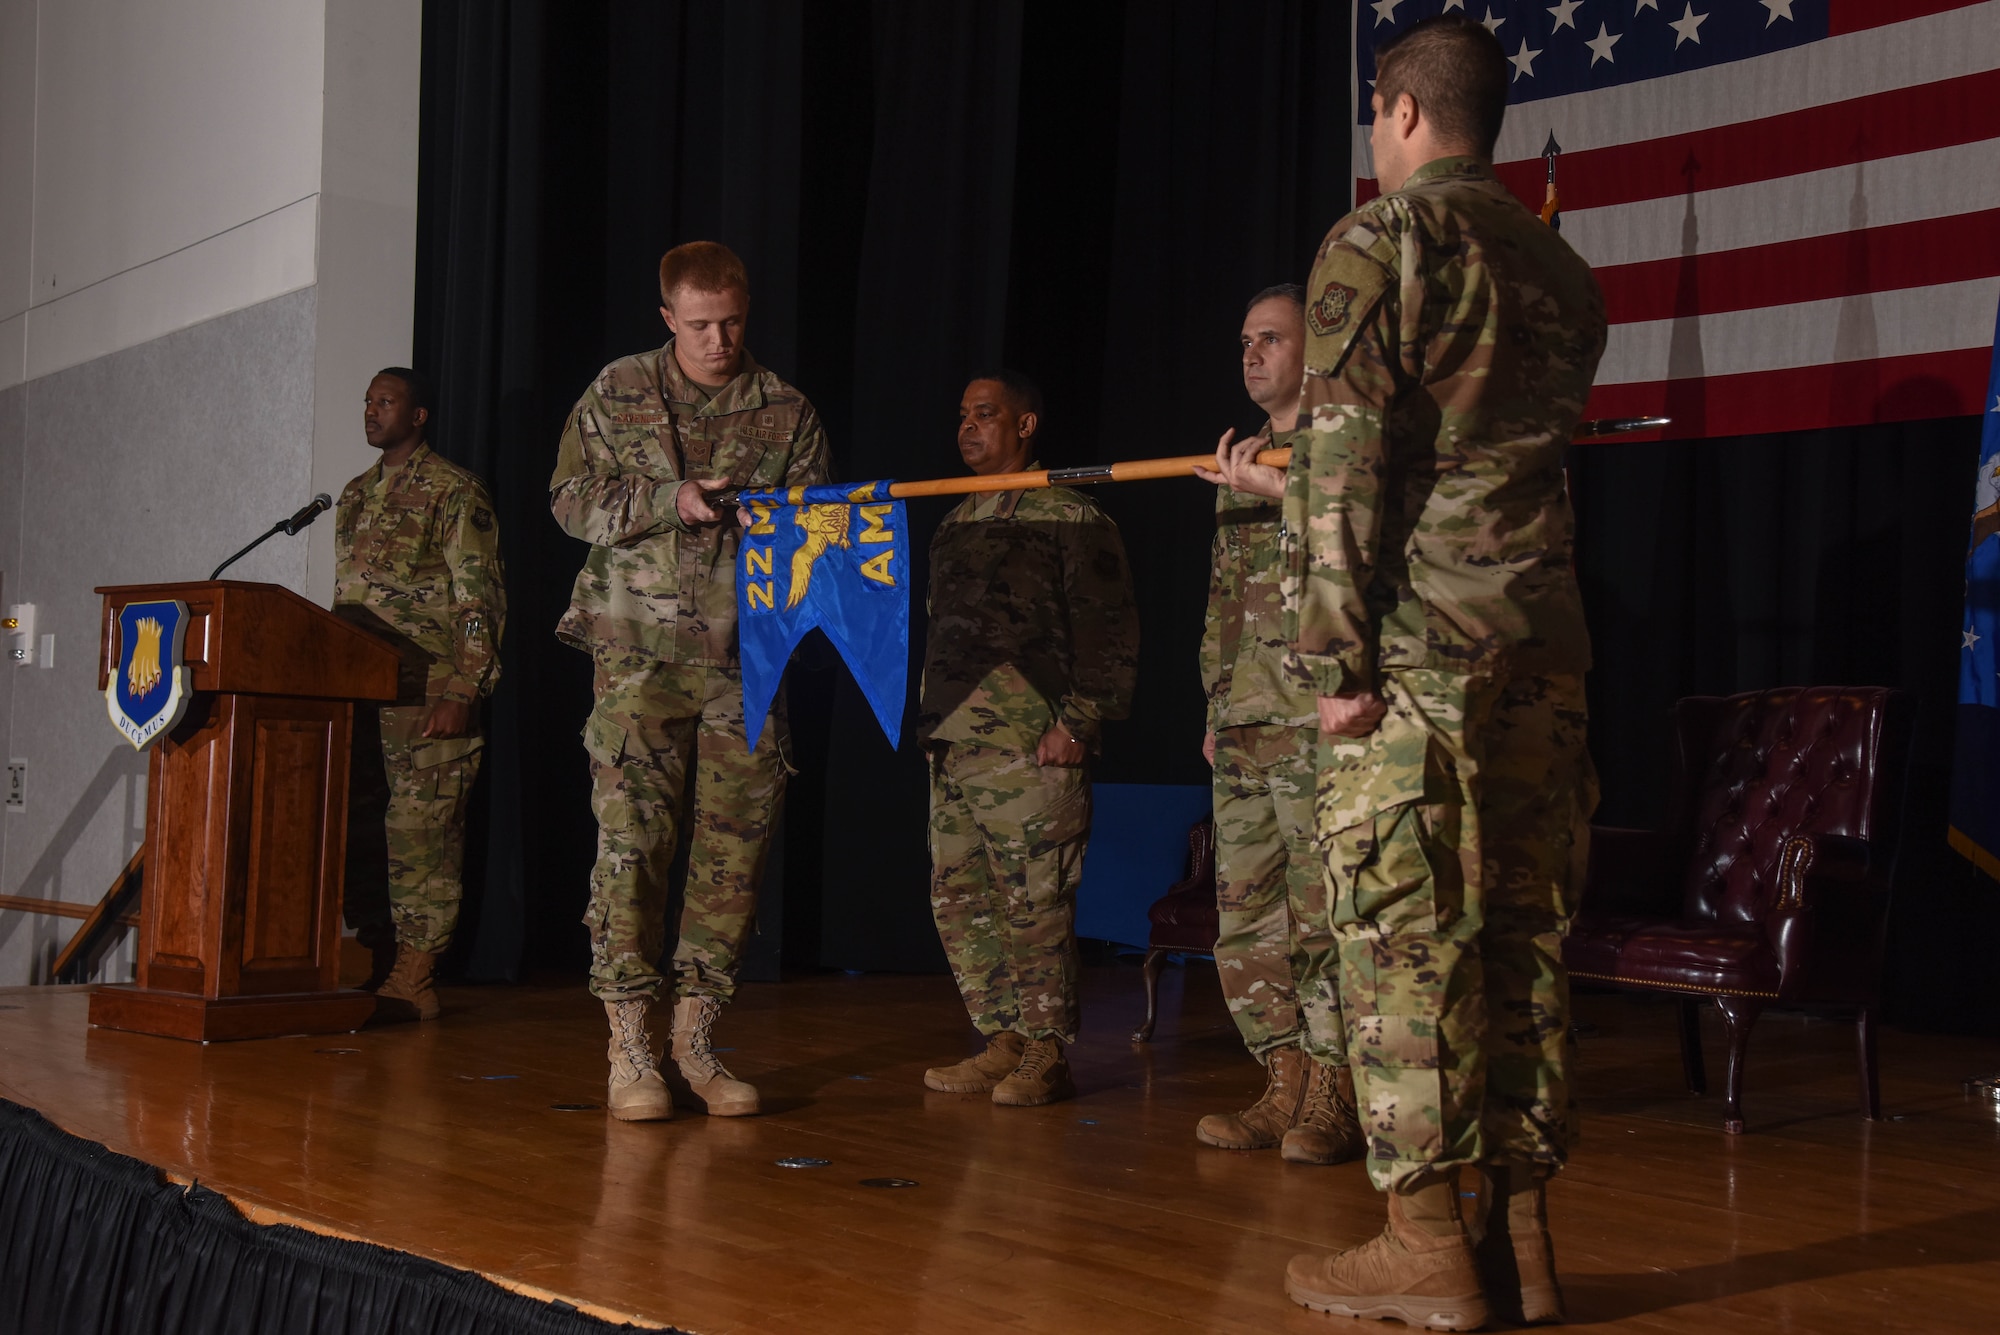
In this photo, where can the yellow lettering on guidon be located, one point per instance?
(877, 567)
(757, 560)
(875, 532)
(764, 593)
(760, 512)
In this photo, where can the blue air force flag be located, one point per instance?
(1975, 771)
(148, 691)
(833, 557)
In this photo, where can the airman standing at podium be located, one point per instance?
(417, 560)
(655, 607)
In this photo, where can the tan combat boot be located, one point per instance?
(410, 990)
(976, 1075)
(1517, 1260)
(707, 1079)
(1042, 1077)
(1329, 1130)
(1420, 1269)
(636, 1092)
(1270, 1118)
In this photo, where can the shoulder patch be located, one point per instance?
(1328, 312)
(482, 519)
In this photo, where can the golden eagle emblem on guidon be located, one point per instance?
(825, 526)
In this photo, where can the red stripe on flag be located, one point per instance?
(1882, 125)
(1855, 15)
(1805, 398)
(1889, 124)
(1843, 264)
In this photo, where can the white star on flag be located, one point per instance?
(1454, 4)
(1523, 62)
(1687, 28)
(1385, 10)
(1972, 638)
(1646, 4)
(1600, 45)
(1780, 9)
(1565, 12)
(1491, 20)
(1996, 404)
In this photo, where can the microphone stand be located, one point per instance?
(270, 532)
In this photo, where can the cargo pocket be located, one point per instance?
(1065, 815)
(1389, 826)
(1399, 1085)
(427, 754)
(604, 740)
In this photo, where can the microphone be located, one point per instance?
(288, 527)
(308, 514)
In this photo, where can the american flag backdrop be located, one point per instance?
(1793, 206)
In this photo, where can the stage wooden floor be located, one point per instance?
(1098, 1215)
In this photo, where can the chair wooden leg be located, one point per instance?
(1738, 1014)
(1692, 1067)
(1156, 960)
(1871, 1089)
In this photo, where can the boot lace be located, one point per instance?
(1040, 1054)
(1322, 1098)
(632, 1037)
(699, 1054)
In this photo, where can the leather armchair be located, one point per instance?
(1184, 920)
(1769, 884)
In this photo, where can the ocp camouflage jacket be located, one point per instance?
(1248, 673)
(1451, 338)
(652, 586)
(1032, 620)
(420, 549)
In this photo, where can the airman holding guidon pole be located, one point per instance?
(1275, 954)
(655, 607)
(1033, 645)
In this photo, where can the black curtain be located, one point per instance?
(92, 1241)
(1088, 193)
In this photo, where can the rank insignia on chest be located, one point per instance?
(835, 559)
(148, 691)
(1328, 315)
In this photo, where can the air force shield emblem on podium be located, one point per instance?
(148, 688)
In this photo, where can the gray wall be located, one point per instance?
(149, 464)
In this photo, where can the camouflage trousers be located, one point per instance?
(425, 826)
(1275, 953)
(1007, 841)
(653, 723)
(1457, 834)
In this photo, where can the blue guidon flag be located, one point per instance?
(1975, 770)
(835, 558)
(148, 689)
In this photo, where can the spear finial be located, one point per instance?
(1551, 203)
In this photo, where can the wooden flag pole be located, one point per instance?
(1140, 470)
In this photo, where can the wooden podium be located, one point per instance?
(246, 818)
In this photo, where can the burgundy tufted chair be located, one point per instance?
(1184, 920)
(1770, 884)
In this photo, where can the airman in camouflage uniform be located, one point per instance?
(1452, 338)
(1033, 645)
(417, 561)
(1275, 952)
(655, 607)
